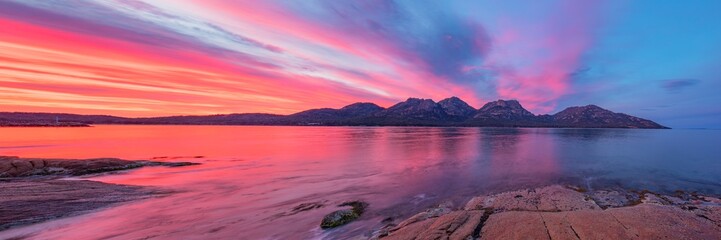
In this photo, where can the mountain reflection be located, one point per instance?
(251, 176)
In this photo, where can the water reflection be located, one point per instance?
(590, 134)
(252, 176)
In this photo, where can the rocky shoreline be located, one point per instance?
(11, 166)
(564, 212)
(32, 189)
(32, 124)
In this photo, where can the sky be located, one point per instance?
(659, 60)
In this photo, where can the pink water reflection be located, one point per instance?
(250, 176)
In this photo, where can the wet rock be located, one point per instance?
(338, 218)
(27, 201)
(31, 200)
(712, 200)
(168, 164)
(344, 216)
(383, 231)
(300, 208)
(306, 206)
(651, 198)
(613, 199)
(673, 200)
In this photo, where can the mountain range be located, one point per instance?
(413, 112)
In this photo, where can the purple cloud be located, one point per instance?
(676, 85)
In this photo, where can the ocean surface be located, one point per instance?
(252, 177)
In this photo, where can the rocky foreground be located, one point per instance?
(559, 212)
(31, 190)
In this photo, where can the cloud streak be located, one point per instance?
(677, 85)
(163, 57)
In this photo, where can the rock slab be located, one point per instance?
(560, 212)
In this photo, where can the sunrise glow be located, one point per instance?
(162, 57)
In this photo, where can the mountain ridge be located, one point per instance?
(413, 112)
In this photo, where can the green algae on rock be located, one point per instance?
(344, 216)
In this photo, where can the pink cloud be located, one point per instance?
(534, 64)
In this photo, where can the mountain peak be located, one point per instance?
(502, 103)
(454, 106)
(595, 116)
(452, 98)
(412, 112)
(361, 106)
(416, 108)
(591, 106)
(416, 100)
(503, 109)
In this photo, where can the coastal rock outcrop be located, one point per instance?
(560, 212)
(22, 167)
(26, 200)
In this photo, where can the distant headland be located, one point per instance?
(412, 112)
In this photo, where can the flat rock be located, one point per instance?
(441, 210)
(553, 198)
(664, 222)
(709, 212)
(30, 201)
(596, 225)
(514, 225)
(557, 212)
(454, 225)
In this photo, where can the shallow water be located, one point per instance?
(252, 176)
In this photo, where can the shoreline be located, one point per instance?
(40, 193)
(566, 212)
(349, 126)
(33, 190)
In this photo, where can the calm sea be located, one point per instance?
(251, 177)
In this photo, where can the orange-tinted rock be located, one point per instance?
(557, 212)
(454, 225)
(552, 198)
(597, 225)
(514, 225)
(665, 222)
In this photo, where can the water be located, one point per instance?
(251, 177)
